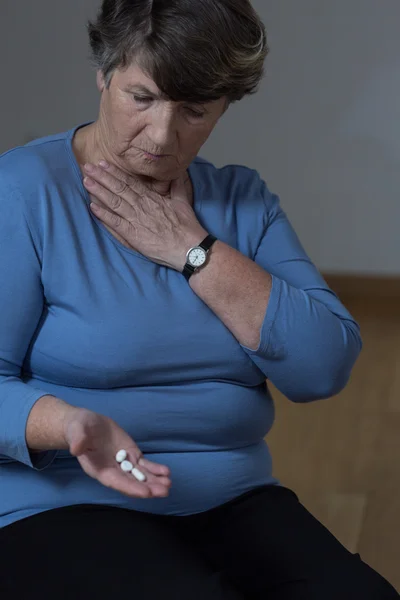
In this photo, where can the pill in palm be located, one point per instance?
(126, 466)
(121, 456)
(138, 474)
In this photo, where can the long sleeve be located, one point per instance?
(86, 319)
(309, 342)
(21, 306)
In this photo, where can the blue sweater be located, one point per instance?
(102, 327)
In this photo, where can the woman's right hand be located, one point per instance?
(95, 440)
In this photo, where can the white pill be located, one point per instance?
(126, 466)
(121, 456)
(138, 474)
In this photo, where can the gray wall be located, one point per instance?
(47, 84)
(324, 129)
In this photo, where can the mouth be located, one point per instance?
(154, 156)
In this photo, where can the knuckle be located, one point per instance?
(115, 201)
(121, 187)
(116, 221)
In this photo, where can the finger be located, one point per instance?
(164, 481)
(157, 487)
(159, 491)
(154, 468)
(116, 181)
(115, 222)
(110, 200)
(118, 480)
(154, 472)
(150, 488)
(133, 182)
(152, 479)
(113, 179)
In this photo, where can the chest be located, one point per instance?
(114, 319)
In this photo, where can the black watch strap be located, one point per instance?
(206, 244)
(188, 271)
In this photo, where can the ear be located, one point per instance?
(100, 81)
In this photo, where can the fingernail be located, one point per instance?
(104, 164)
(88, 181)
(89, 168)
(94, 207)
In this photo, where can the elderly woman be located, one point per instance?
(146, 297)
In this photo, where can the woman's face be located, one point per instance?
(147, 134)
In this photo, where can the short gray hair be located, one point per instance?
(194, 50)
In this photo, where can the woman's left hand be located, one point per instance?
(162, 228)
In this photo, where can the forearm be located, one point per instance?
(45, 426)
(236, 289)
(312, 342)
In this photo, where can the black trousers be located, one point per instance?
(262, 546)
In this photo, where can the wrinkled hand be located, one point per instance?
(95, 439)
(162, 228)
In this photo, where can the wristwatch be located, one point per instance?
(196, 257)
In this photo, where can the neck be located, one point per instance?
(89, 146)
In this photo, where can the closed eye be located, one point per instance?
(195, 113)
(192, 112)
(140, 99)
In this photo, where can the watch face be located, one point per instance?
(197, 257)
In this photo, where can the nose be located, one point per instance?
(162, 131)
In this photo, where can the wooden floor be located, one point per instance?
(342, 456)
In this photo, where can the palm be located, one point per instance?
(95, 439)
